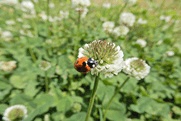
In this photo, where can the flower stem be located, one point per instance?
(126, 3)
(48, 12)
(32, 55)
(115, 93)
(91, 102)
(46, 82)
(79, 19)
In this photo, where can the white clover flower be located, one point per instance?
(43, 15)
(83, 12)
(165, 18)
(6, 35)
(15, 113)
(106, 5)
(51, 5)
(127, 19)
(120, 31)
(130, 2)
(28, 6)
(64, 14)
(45, 65)
(8, 65)
(141, 21)
(10, 22)
(19, 19)
(136, 67)
(9, 2)
(141, 42)
(159, 42)
(170, 53)
(108, 26)
(107, 54)
(81, 3)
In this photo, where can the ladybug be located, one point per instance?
(85, 64)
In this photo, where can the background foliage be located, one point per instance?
(155, 98)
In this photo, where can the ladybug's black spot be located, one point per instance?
(84, 63)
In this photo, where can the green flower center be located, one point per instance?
(16, 115)
(102, 51)
(137, 65)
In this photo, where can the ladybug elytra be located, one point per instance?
(85, 64)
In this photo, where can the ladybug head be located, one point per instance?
(92, 63)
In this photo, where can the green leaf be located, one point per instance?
(40, 109)
(3, 108)
(116, 112)
(148, 105)
(77, 117)
(64, 104)
(19, 81)
(105, 92)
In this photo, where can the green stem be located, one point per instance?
(32, 55)
(115, 93)
(46, 82)
(123, 7)
(91, 102)
(79, 19)
(48, 13)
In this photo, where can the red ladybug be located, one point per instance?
(85, 64)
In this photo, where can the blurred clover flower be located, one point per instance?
(165, 18)
(130, 2)
(141, 21)
(51, 5)
(120, 31)
(10, 22)
(15, 113)
(141, 42)
(127, 19)
(136, 67)
(28, 6)
(107, 54)
(9, 2)
(81, 3)
(7, 66)
(64, 14)
(106, 5)
(108, 26)
(45, 65)
(170, 53)
(83, 12)
(6, 35)
(81, 6)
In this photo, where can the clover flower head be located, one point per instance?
(120, 31)
(165, 18)
(14, 113)
(45, 65)
(64, 14)
(107, 54)
(108, 26)
(141, 42)
(130, 2)
(141, 21)
(28, 5)
(106, 5)
(81, 3)
(127, 18)
(170, 53)
(136, 67)
(9, 2)
(6, 35)
(7, 65)
(83, 11)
